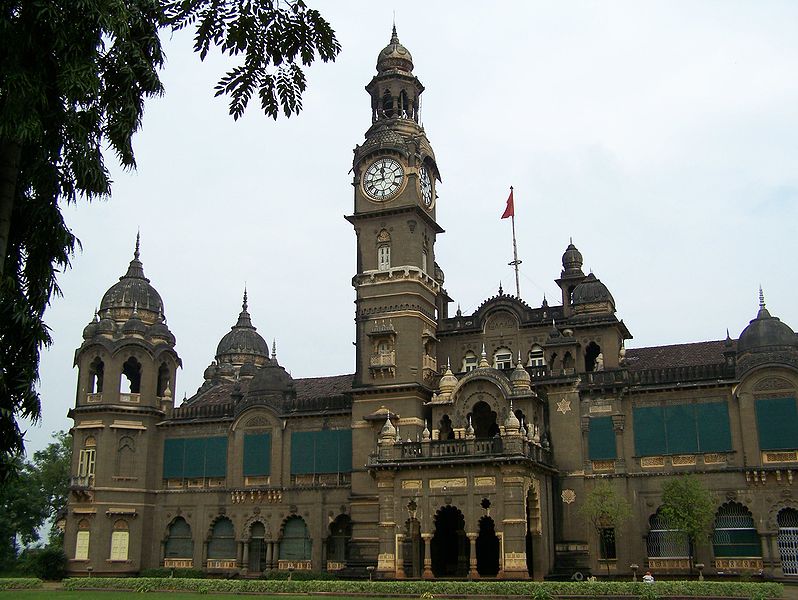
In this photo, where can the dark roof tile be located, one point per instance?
(676, 355)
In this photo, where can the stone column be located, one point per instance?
(386, 560)
(472, 562)
(427, 537)
(323, 554)
(269, 555)
(276, 558)
(240, 553)
(245, 557)
(585, 427)
(514, 524)
(400, 562)
(204, 561)
(618, 422)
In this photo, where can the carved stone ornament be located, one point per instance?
(772, 383)
(564, 406)
(568, 496)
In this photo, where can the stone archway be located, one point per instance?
(483, 420)
(487, 548)
(258, 560)
(450, 549)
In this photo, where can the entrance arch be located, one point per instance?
(450, 550)
(483, 419)
(257, 548)
(787, 520)
(338, 542)
(487, 548)
(295, 544)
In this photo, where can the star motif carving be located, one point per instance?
(568, 496)
(564, 406)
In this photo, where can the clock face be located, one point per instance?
(383, 179)
(425, 183)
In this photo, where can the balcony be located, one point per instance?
(130, 398)
(429, 363)
(383, 360)
(81, 482)
(94, 397)
(463, 450)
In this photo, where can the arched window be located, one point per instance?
(591, 356)
(131, 377)
(787, 539)
(87, 458)
(735, 533)
(664, 541)
(445, 430)
(96, 373)
(295, 544)
(536, 357)
(383, 251)
(340, 536)
(163, 380)
(120, 538)
(387, 104)
(567, 361)
(484, 421)
(178, 540)
(124, 457)
(82, 540)
(404, 105)
(503, 359)
(469, 361)
(222, 543)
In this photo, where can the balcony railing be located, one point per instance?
(429, 362)
(94, 397)
(130, 398)
(383, 360)
(81, 482)
(461, 449)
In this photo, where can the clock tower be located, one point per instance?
(399, 288)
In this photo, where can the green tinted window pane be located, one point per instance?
(345, 450)
(195, 458)
(601, 439)
(215, 456)
(326, 451)
(777, 422)
(714, 434)
(682, 437)
(173, 450)
(303, 452)
(649, 427)
(257, 454)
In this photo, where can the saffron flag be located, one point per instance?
(510, 210)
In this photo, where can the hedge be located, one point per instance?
(533, 589)
(19, 583)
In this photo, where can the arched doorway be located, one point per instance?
(413, 549)
(222, 545)
(487, 548)
(257, 548)
(338, 542)
(178, 546)
(483, 419)
(450, 550)
(295, 544)
(788, 540)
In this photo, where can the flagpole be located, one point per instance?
(515, 262)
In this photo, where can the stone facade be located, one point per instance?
(462, 446)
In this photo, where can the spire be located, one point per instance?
(761, 297)
(274, 348)
(244, 319)
(244, 305)
(394, 37)
(763, 312)
(136, 269)
(501, 291)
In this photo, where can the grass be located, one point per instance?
(86, 595)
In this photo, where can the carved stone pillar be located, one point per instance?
(269, 555)
(427, 537)
(245, 557)
(618, 422)
(240, 553)
(472, 562)
(400, 562)
(585, 427)
(386, 560)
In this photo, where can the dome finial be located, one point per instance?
(244, 304)
(501, 290)
(394, 37)
(761, 297)
(138, 241)
(274, 348)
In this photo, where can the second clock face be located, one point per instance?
(383, 179)
(425, 183)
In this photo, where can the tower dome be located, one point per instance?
(765, 332)
(133, 290)
(243, 343)
(591, 290)
(394, 56)
(572, 262)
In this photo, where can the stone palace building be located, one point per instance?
(416, 466)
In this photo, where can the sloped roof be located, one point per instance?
(675, 355)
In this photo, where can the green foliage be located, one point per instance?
(45, 563)
(161, 572)
(19, 583)
(299, 575)
(689, 506)
(74, 77)
(604, 507)
(426, 589)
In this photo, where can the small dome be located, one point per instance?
(161, 331)
(134, 325)
(243, 343)
(106, 325)
(394, 56)
(591, 290)
(211, 371)
(448, 382)
(572, 262)
(765, 332)
(271, 378)
(133, 289)
(247, 370)
(91, 329)
(520, 378)
(512, 424)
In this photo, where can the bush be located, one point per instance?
(162, 572)
(299, 575)
(19, 583)
(45, 563)
(529, 589)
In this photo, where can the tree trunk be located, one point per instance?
(10, 153)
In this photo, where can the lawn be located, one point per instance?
(85, 595)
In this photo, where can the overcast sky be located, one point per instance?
(661, 137)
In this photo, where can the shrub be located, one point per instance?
(19, 583)
(163, 572)
(300, 575)
(45, 563)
